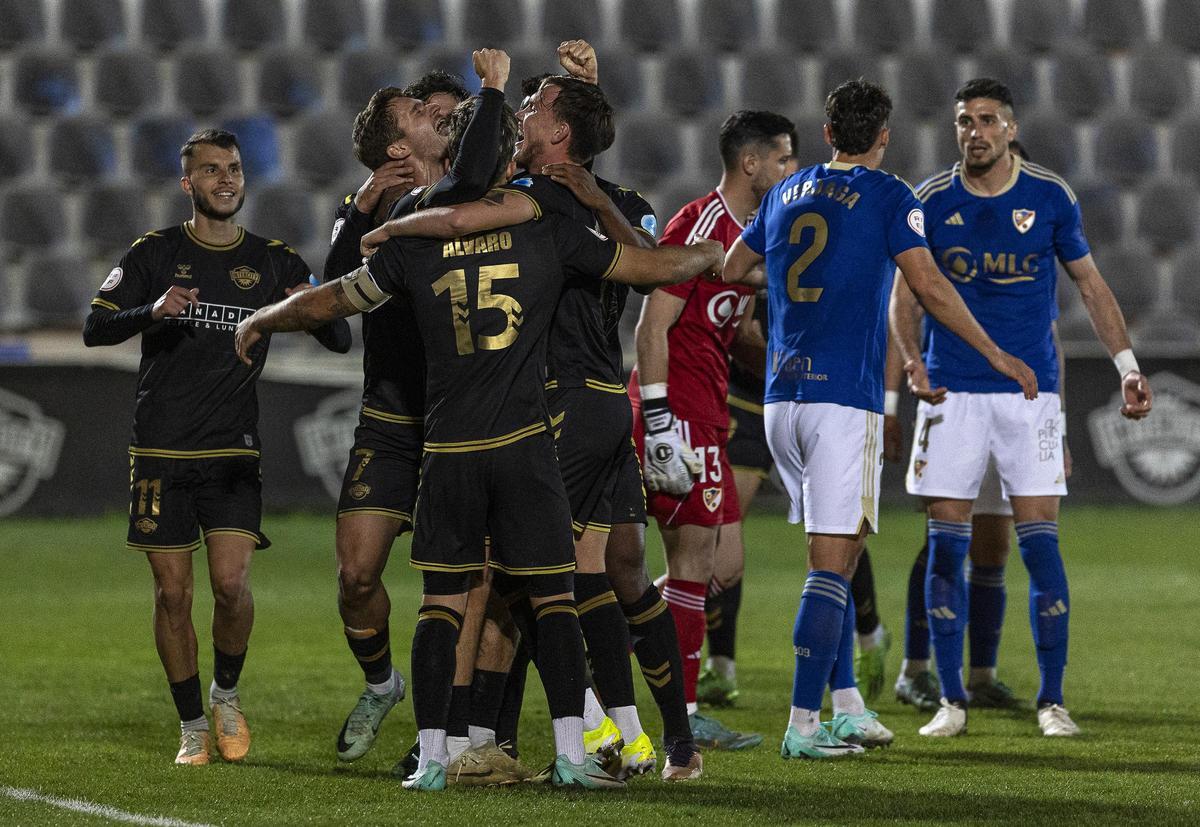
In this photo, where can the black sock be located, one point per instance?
(916, 621)
(560, 658)
(186, 695)
(227, 668)
(510, 706)
(607, 637)
(373, 650)
(433, 664)
(460, 711)
(487, 694)
(656, 645)
(721, 611)
(862, 588)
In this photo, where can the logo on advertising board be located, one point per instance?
(325, 437)
(30, 443)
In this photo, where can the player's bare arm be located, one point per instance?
(496, 209)
(941, 300)
(1109, 324)
(665, 265)
(904, 325)
(578, 58)
(744, 266)
(582, 185)
(303, 310)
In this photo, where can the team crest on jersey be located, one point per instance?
(1023, 220)
(29, 447)
(325, 438)
(245, 277)
(113, 279)
(712, 498)
(146, 525)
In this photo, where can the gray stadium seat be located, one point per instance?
(807, 24)
(570, 20)
(904, 156)
(1166, 214)
(1113, 24)
(728, 25)
(847, 66)
(322, 146)
(1050, 140)
(32, 216)
(926, 84)
(1083, 82)
(1131, 272)
(127, 82)
(1125, 149)
(47, 82)
(527, 63)
(1181, 24)
(456, 61)
(207, 82)
(177, 207)
(649, 26)
(961, 25)
(411, 24)
(288, 82)
(691, 82)
(771, 80)
(810, 145)
(259, 141)
(333, 25)
(66, 283)
(1040, 25)
(114, 216)
(1015, 70)
(82, 149)
(24, 23)
(1185, 287)
(883, 27)
(669, 199)
(707, 161)
(1158, 81)
(1100, 203)
(360, 74)
(1185, 148)
(252, 24)
(621, 78)
(648, 148)
(283, 212)
(493, 22)
(86, 24)
(170, 24)
(16, 148)
(156, 142)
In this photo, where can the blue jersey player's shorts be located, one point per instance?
(383, 470)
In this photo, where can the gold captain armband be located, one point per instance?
(362, 291)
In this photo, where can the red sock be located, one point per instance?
(685, 598)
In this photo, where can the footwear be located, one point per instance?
(821, 744)
(431, 780)
(921, 691)
(684, 762)
(950, 720)
(362, 724)
(470, 769)
(1056, 722)
(193, 748)
(864, 730)
(996, 695)
(709, 733)
(233, 733)
(502, 761)
(869, 667)
(637, 758)
(407, 765)
(604, 743)
(715, 690)
(588, 775)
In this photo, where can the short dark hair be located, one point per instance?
(583, 107)
(461, 116)
(531, 84)
(436, 81)
(216, 137)
(375, 129)
(857, 111)
(748, 127)
(985, 88)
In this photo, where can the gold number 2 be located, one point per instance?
(815, 222)
(460, 312)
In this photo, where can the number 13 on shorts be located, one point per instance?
(710, 455)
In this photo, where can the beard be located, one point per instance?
(982, 164)
(206, 208)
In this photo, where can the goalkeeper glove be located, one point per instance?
(670, 466)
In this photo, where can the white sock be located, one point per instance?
(385, 688)
(912, 668)
(456, 745)
(481, 736)
(568, 739)
(433, 748)
(723, 666)
(198, 725)
(593, 713)
(216, 693)
(848, 700)
(982, 675)
(626, 719)
(872, 639)
(805, 721)
(693, 708)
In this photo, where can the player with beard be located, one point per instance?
(194, 453)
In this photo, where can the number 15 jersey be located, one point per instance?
(829, 234)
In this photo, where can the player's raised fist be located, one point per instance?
(397, 172)
(918, 383)
(492, 67)
(173, 302)
(1138, 397)
(578, 58)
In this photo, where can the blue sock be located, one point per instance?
(1049, 604)
(843, 668)
(816, 635)
(916, 623)
(986, 601)
(946, 601)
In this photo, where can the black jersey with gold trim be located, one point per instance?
(194, 396)
(584, 339)
(484, 305)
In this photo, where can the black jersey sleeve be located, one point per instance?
(583, 252)
(349, 226)
(124, 304)
(638, 211)
(386, 267)
(335, 335)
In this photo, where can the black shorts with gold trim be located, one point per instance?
(509, 490)
(177, 496)
(384, 466)
(747, 447)
(596, 455)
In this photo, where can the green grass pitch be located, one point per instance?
(85, 712)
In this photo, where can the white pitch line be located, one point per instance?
(79, 805)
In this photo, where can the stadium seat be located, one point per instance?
(32, 216)
(1185, 148)
(253, 24)
(16, 148)
(527, 63)
(943, 145)
(771, 80)
(926, 83)
(288, 82)
(810, 140)
(334, 25)
(1132, 273)
(360, 74)
(1050, 140)
(86, 24)
(411, 24)
(114, 215)
(572, 19)
(1016, 70)
(1103, 218)
(207, 81)
(1040, 25)
(810, 25)
(65, 286)
(1185, 287)
(883, 27)
(82, 149)
(667, 200)
(1181, 24)
(707, 160)
(24, 23)
(691, 82)
(1125, 150)
(1158, 80)
(728, 25)
(284, 212)
(456, 61)
(47, 83)
(1166, 214)
(170, 24)
(621, 79)
(650, 27)
(904, 156)
(259, 143)
(648, 149)
(844, 66)
(487, 22)
(127, 82)
(156, 141)
(961, 25)
(176, 206)
(1113, 24)
(322, 146)
(1083, 82)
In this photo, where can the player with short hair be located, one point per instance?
(194, 454)
(831, 237)
(1002, 223)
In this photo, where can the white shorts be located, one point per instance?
(829, 458)
(991, 498)
(955, 441)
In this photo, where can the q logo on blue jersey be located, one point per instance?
(650, 225)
